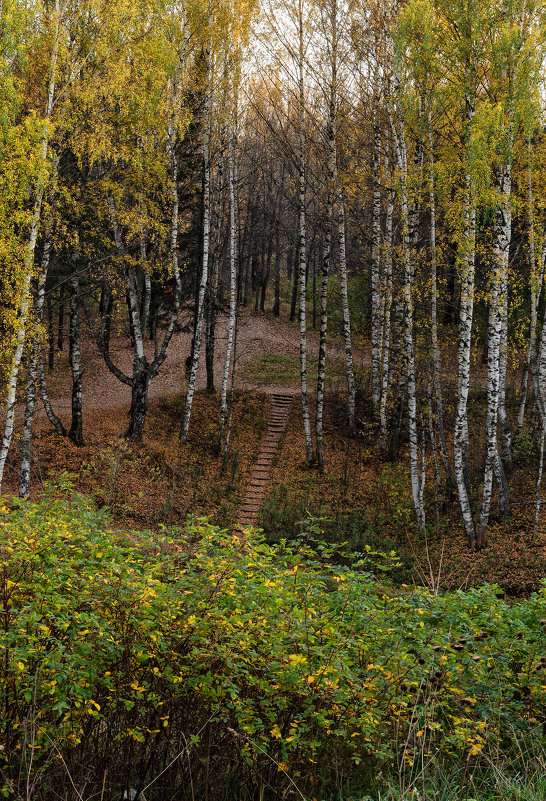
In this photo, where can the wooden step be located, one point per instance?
(279, 410)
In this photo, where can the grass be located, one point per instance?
(273, 368)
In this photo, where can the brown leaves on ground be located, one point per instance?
(157, 481)
(368, 502)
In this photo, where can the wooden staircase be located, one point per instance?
(259, 478)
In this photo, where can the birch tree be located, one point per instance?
(24, 294)
(197, 335)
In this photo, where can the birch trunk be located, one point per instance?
(333, 193)
(205, 260)
(50, 333)
(231, 397)
(302, 260)
(321, 365)
(538, 364)
(323, 325)
(140, 378)
(51, 416)
(211, 294)
(139, 404)
(29, 259)
(139, 290)
(434, 320)
(33, 368)
(538, 495)
(377, 296)
(467, 265)
(388, 305)
(536, 287)
(232, 285)
(60, 319)
(277, 296)
(504, 420)
(75, 433)
(346, 316)
(413, 428)
(500, 257)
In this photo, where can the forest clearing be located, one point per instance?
(273, 400)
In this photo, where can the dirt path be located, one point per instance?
(279, 409)
(258, 334)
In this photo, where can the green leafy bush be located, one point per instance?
(204, 663)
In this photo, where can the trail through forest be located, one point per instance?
(259, 335)
(279, 409)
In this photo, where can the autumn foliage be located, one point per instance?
(197, 662)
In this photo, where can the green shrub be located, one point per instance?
(203, 663)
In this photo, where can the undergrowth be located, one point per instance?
(200, 663)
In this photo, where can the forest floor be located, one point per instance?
(360, 498)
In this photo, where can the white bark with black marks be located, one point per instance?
(409, 348)
(436, 380)
(205, 256)
(387, 270)
(467, 258)
(536, 288)
(501, 244)
(302, 244)
(24, 296)
(378, 301)
(346, 316)
(75, 433)
(232, 281)
(50, 413)
(32, 373)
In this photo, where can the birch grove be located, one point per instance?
(373, 173)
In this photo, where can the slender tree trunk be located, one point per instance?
(538, 495)
(266, 274)
(205, 260)
(51, 416)
(231, 396)
(538, 364)
(211, 296)
(416, 485)
(136, 301)
(139, 295)
(500, 249)
(232, 285)
(143, 372)
(314, 292)
(504, 420)
(321, 364)
(467, 265)
(33, 367)
(294, 298)
(436, 379)
(140, 378)
(210, 323)
(50, 332)
(277, 300)
(106, 308)
(346, 317)
(536, 287)
(302, 261)
(75, 433)
(326, 260)
(377, 292)
(29, 260)
(247, 276)
(388, 304)
(60, 318)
